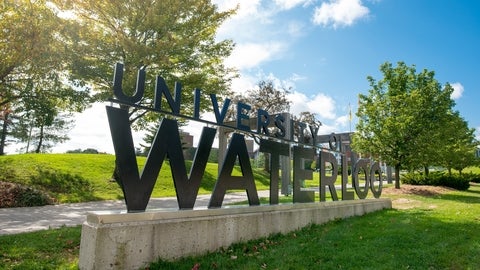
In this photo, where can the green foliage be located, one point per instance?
(405, 118)
(33, 87)
(30, 197)
(15, 195)
(173, 39)
(86, 151)
(456, 181)
(472, 177)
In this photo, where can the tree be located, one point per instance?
(266, 97)
(458, 150)
(4, 117)
(33, 62)
(306, 118)
(41, 134)
(401, 116)
(174, 39)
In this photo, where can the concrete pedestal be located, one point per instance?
(119, 240)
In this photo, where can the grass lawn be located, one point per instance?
(86, 177)
(429, 228)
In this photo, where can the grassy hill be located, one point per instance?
(86, 177)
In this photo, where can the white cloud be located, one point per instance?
(343, 120)
(327, 129)
(250, 55)
(338, 13)
(296, 28)
(92, 131)
(457, 90)
(320, 104)
(289, 4)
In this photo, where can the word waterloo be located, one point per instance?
(137, 187)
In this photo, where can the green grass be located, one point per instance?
(434, 232)
(86, 177)
(50, 249)
(440, 232)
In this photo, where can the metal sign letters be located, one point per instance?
(137, 186)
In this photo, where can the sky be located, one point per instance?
(324, 50)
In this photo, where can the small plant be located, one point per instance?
(15, 195)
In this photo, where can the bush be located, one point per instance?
(456, 181)
(15, 195)
(472, 177)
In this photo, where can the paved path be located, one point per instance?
(27, 219)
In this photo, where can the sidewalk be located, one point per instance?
(28, 219)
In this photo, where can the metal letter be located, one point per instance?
(327, 157)
(138, 188)
(226, 180)
(219, 116)
(374, 169)
(346, 195)
(300, 174)
(263, 120)
(361, 164)
(276, 150)
(240, 115)
(161, 88)
(117, 85)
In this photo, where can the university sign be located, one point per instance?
(114, 239)
(275, 140)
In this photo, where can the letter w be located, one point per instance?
(137, 188)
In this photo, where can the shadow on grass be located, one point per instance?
(461, 198)
(474, 188)
(470, 196)
(73, 187)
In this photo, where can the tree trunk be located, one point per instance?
(427, 171)
(266, 166)
(4, 135)
(40, 140)
(397, 176)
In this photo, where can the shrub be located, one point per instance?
(472, 177)
(15, 195)
(412, 178)
(456, 181)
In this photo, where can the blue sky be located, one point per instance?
(324, 50)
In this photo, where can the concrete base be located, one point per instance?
(118, 240)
